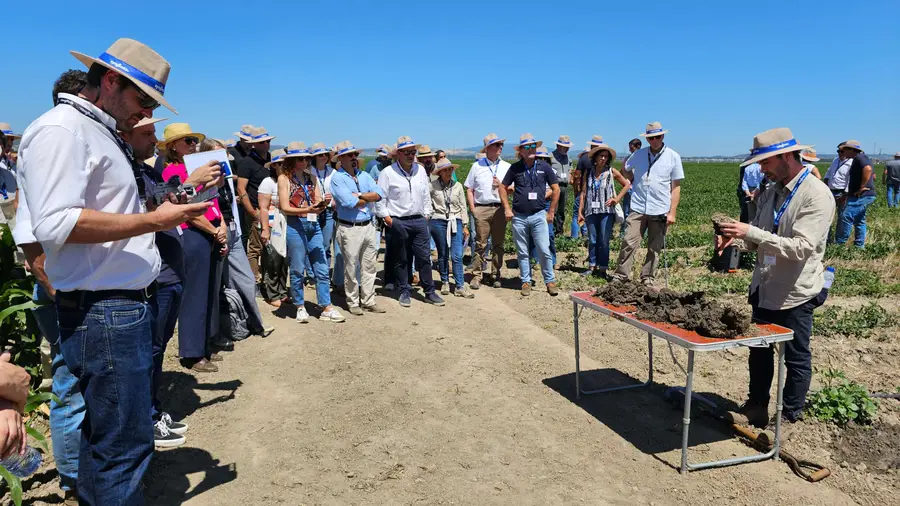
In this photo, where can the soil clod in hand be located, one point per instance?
(689, 310)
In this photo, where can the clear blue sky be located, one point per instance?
(449, 72)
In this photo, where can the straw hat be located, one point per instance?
(175, 131)
(152, 121)
(528, 139)
(479, 156)
(229, 143)
(809, 154)
(654, 129)
(601, 147)
(772, 142)
(564, 141)
(8, 131)
(443, 164)
(424, 151)
(403, 143)
(253, 134)
(492, 138)
(383, 150)
(543, 153)
(136, 62)
(277, 156)
(897, 154)
(345, 148)
(295, 150)
(852, 145)
(319, 148)
(595, 141)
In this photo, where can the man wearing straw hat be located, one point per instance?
(789, 234)
(251, 172)
(530, 217)
(87, 205)
(859, 196)
(892, 180)
(559, 160)
(483, 191)
(405, 207)
(355, 193)
(382, 159)
(656, 173)
(425, 156)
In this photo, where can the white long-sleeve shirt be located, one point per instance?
(69, 162)
(837, 175)
(404, 194)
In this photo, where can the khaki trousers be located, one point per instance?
(360, 248)
(635, 226)
(489, 222)
(254, 250)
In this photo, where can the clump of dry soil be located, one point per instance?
(688, 310)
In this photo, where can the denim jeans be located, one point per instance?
(304, 240)
(893, 195)
(527, 229)
(164, 308)
(575, 228)
(67, 414)
(600, 227)
(853, 217)
(107, 344)
(447, 253)
(532, 249)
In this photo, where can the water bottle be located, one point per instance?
(23, 465)
(829, 277)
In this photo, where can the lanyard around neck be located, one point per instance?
(407, 176)
(788, 199)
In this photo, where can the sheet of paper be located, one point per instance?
(197, 160)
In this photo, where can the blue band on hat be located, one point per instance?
(277, 158)
(854, 146)
(318, 150)
(564, 143)
(297, 152)
(134, 72)
(260, 136)
(345, 150)
(7, 132)
(526, 141)
(653, 131)
(409, 143)
(774, 147)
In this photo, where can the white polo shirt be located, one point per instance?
(69, 162)
(837, 174)
(481, 180)
(652, 187)
(404, 194)
(22, 234)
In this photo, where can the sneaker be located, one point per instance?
(462, 291)
(389, 287)
(374, 309)
(173, 426)
(526, 289)
(332, 315)
(552, 290)
(445, 288)
(435, 299)
(302, 315)
(476, 283)
(404, 299)
(164, 438)
(750, 414)
(356, 311)
(496, 283)
(588, 273)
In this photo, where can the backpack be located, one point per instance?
(233, 316)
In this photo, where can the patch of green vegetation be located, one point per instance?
(860, 282)
(858, 323)
(841, 401)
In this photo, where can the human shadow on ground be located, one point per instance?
(178, 393)
(642, 416)
(167, 481)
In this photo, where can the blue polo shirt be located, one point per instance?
(530, 182)
(342, 189)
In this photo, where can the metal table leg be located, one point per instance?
(686, 421)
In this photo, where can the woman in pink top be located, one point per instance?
(205, 244)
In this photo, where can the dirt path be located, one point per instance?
(398, 409)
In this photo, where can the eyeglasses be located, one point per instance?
(191, 140)
(322, 155)
(351, 155)
(146, 101)
(533, 145)
(408, 152)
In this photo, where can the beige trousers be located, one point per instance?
(359, 247)
(635, 226)
(489, 222)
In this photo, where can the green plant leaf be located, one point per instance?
(15, 485)
(12, 309)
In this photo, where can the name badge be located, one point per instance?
(312, 217)
(532, 195)
(769, 260)
(595, 205)
(232, 226)
(180, 232)
(143, 207)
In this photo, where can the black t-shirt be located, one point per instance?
(530, 182)
(252, 169)
(856, 173)
(169, 242)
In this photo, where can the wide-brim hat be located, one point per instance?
(596, 140)
(295, 150)
(383, 150)
(528, 139)
(479, 156)
(852, 145)
(136, 62)
(175, 131)
(809, 154)
(542, 152)
(277, 156)
(444, 164)
(244, 133)
(654, 129)
(600, 147)
(492, 138)
(8, 131)
(319, 148)
(404, 142)
(253, 135)
(564, 141)
(345, 148)
(150, 121)
(424, 150)
(771, 143)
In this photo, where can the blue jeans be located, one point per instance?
(532, 250)
(67, 414)
(575, 228)
(107, 344)
(893, 195)
(304, 240)
(854, 217)
(525, 230)
(164, 309)
(328, 240)
(449, 252)
(600, 227)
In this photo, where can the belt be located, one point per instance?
(563, 184)
(486, 205)
(79, 298)
(404, 218)
(354, 223)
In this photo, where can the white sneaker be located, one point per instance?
(302, 316)
(332, 315)
(164, 438)
(174, 427)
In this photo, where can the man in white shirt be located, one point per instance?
(405, 208)
(482, 188)
(837, 179)
(656, 173)
(87, 211)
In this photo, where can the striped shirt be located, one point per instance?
(599, 191)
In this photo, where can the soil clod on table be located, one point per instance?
(688, 310)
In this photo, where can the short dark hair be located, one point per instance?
(71, 81)
(635, 142)
(95, 75)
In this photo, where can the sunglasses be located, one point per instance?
(533, 145)
(351, 155)
(408, 152)
(191, 140)
(321, 155)
(146, 101)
